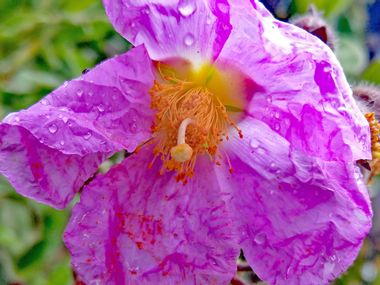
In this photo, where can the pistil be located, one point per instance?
(182, 151)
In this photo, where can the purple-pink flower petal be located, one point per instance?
(83, 121)
(302, 92)
(39, 172)
(134, 226)
(189, 29)
(302, 218)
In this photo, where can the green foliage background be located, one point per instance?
(45, 42)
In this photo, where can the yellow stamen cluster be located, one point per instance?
(375, 144)
(187, 110)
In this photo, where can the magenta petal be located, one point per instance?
(80, 123)
(189, 29)
(302, 218)
(39, 172)
(299, 79)
(133, 226)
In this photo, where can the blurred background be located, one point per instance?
(45, 42)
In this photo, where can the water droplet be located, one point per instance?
(277, 126)
(277, 115)
(87, 136)
(260, 238)
(269, 99)
(208, 20)
(101, 108)
(189, 39)
(261, 151)
(327, 69)
(17, 119)
(186, 8)
(65, 119)
(95, 282)
(79, 93)
(133, 127)
(273, 166)
(62, 143)
(90, 93)
(53, 129)
(44, 102)
(224, 8)
(254, 143)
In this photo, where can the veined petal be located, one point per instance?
(89, 118)
(191, 29)
(134, 226)
(42, 173)
(299, 80)
(302, 219)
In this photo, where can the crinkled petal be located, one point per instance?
(191, 29)
(84, 120)
(301, 89)
(302, 219)
(39, 172)
(133, 226)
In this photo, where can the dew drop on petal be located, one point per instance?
(260, 238)
(186, 8)
(189, 39)
(65, 119)
(133, 127)
(79, 93)
(53, 129)
(62, 143)
(101, 108)
(87, 136)
(254, 143)
(44, 102)
(224, 8)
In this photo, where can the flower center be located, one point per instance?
(190, 120)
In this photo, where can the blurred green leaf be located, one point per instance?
(352, 54)
(372, 73)
(330, 8)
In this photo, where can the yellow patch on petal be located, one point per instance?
(194, 109)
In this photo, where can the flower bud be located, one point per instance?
(315, 24)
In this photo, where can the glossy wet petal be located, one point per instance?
(134, 226)
(298, 79)
(102, 112)
(195, 30)
(302, 218)
(42, 173)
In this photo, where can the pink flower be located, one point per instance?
(247, 137)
